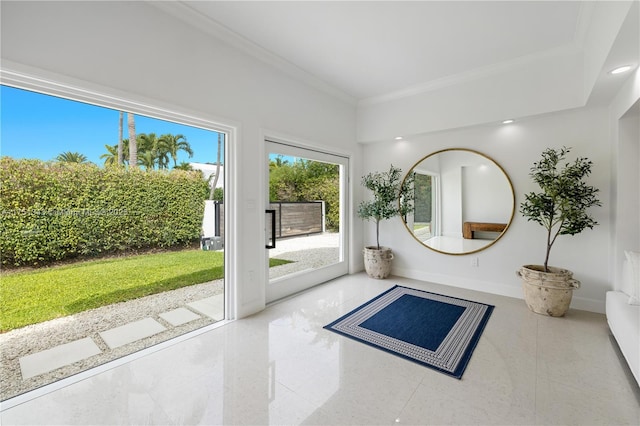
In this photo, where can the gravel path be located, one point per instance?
(306, 252)
(38, 337)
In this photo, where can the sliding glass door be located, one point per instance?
(307, 193)
(113, 234)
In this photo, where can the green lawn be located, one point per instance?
(39, 295)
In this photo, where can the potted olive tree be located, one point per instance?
(392, 196)
(561, 209)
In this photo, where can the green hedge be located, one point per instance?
(56, 211)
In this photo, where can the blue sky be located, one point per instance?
(33, 125)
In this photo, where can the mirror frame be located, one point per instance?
(513, 197)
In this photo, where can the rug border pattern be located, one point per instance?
(453, 353)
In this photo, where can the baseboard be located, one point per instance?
(510, 290)
(585, 304)
(466, 283)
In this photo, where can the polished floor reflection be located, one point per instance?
(281, 367)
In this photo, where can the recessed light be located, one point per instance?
(620, 70)
(509, 121)
(398, 138)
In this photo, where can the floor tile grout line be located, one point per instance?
(398, 418)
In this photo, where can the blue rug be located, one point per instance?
(437, 331)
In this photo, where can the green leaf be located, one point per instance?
(561, 206)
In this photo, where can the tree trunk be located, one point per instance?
(133, 145)
(120, 132)
(215, 179)
(549, 244)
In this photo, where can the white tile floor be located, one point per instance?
(281, 367)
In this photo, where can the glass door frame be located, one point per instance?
(99, 96)
(281, 287)
(85, 92)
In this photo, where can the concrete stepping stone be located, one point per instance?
(213, 307)
(179, 316)
(58, 356)
(131, 332)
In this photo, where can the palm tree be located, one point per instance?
(72, 157)
(146, 154)
(183, 166)
(157, 148)
(120, 157)
(111, 157)
(280, 161)
(215, 181)
(175, 143)
(147, 160)
(133, 146)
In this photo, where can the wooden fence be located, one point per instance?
(301, 218)
(292, 218)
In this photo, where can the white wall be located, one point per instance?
(450, 196)
(486, 194)
(624, 118)
(136, 51)
(515, 147)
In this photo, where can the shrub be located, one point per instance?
(56, 211)
(307, 180)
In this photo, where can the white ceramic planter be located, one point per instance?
(377, 262)
(547, 293)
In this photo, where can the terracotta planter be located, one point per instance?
(377, 262)
(547, 293)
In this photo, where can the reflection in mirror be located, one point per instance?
(464, 201)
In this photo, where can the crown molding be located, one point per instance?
(198, 20)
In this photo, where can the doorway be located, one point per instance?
(306, 220)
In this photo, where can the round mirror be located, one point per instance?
(463, 201)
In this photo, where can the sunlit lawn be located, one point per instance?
(35, 296)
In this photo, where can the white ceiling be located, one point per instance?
(371, 51)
